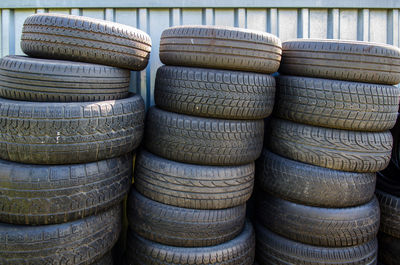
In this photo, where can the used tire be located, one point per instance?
(311, 185)
(31, 79)
(273, 249)
(390, 213)
(389, 249)
(221, 47)
(328, 227)
(193, 186)
(79, 242)
(204, 141)
(39, 195)
(76, 38)
(183, 227)
(388, 180)
(214, 93)
(337, 104)
(343, 60)
(330, 148)
(105, 260)
(69, 133)
(239, 250)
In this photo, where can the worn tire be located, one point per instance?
(69, 133)
(31, 79)
(214, 93)
(330, 148)
(328, 227)
(343, 60)
(193, 186)
(221, 47)
(273, 249)
(390, 213)
(239, 250)
(388, 180)
(389, 249)
(76, 38)
(311, 185)
(337, 104)
(79, 242)
(203, 141)
(105, 260)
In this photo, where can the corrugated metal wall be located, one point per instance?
(377, 25)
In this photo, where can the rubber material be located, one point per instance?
(390, 213)
(330, 148)
(337, 104)
(388, 180)
(76, 38)
(69, 133)
(105, 260)
(343, 60)
(193, 186)
(389, 249)
(203, 141)
(311, 185)
(221, 47)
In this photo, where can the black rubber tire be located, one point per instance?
(69, 133)
(343, 60)
(76, 38)
(105, 260)
(311, 185)
(390, 213)
(79, 242)
(388, 180)
(183, 227)
(273, 249)
(337, 104)
(328, 227)
(221, 47)
(330, 148)
(203, 141)
(239, 250)
(214, 93)
(31, 79)
(389, 249)
(39, 195)
(193, 186)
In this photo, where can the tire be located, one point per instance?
(390, 213)
(327, 227)
(240, 250)
(214, 93)
(40, 195)
(353, 151)
(105, 260)
(80, 242)
(193, 186)
(343, 60)
(31, 79)
(389, 181)
(203, 141)
(75, 38)
(183, 227)
(311, 185)
(69, 133)
(273, 249)
(389, 249)
(221, 47)
(337, 104)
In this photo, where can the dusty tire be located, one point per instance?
(330, 148)
(79, 242)
(273, 249)
(239, 250)
(311, 185)
(390, 213)
(203, 141)
(343, 60)
(193, 186)
(214, 93)
(337, 104)
(389, 249)
(75, 38)
(328, 227)
(69, 133)
(105, 260)
(221, 47)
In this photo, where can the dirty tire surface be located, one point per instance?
(389, 249)
(76, 38)
(390, 213)
(105, 260)
(221, 47)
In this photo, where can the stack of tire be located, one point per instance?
(196, 170)
(334, 107)
(67, 132)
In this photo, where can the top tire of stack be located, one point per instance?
(342, 60)
(221, 48)
(75, 38)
